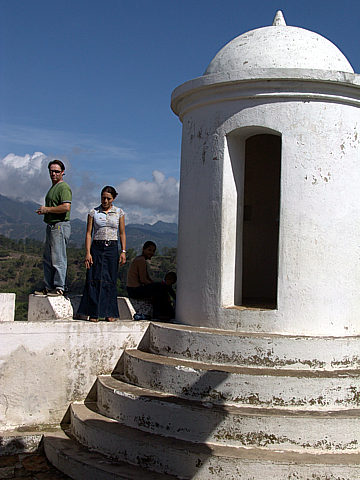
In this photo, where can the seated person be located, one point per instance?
(163, 306)
(139, 283)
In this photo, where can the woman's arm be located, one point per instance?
(122, 235)
(89, 228)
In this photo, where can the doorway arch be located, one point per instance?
(255, 167)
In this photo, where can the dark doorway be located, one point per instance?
(261, 221)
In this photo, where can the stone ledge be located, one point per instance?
(14, 442)
(43, 308)
(141, 306)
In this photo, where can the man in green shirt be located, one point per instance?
(56, 213)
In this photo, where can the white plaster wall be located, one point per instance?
(7, 307)
(319, 268)
(46, 366)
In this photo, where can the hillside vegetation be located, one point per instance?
(21, 269)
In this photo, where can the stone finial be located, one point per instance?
(279, 19)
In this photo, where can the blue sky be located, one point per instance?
(90, 81)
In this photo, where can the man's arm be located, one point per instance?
(62, 208)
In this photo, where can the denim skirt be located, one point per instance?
(100, 293)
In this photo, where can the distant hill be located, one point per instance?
(18, 220)
(136, 235)
(159, 227)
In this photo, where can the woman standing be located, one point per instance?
(104, 224)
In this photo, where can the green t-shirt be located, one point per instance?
(58, 194)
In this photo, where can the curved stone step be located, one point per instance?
(79, 463)
(232, 385)
(203, 461)
(163, 414)
(254, 349)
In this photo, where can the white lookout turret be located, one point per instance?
(269, 222)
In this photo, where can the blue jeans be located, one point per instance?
(99, 298)
(55, 259)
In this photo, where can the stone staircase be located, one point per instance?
(199, 403)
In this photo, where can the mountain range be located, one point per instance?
(19, 221)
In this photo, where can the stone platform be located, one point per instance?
(43, 308)
(199, 403)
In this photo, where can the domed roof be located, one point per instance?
(279, 46)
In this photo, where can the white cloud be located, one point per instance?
(26, 178)
(160, 195)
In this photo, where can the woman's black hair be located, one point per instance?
(110, 190)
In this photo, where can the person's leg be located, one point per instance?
(60, 234)
(89, 304)
(108, 306)
(47, 264)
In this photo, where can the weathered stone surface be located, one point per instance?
(201, 461)
(233, 385)
(256, 350)
(72, 458)
(197, 420)
(142, 306)
(126, 309)
(47, 365)
(7, 307)
(43, 308)
(15, 442)
(286, 428)
(279, 46)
